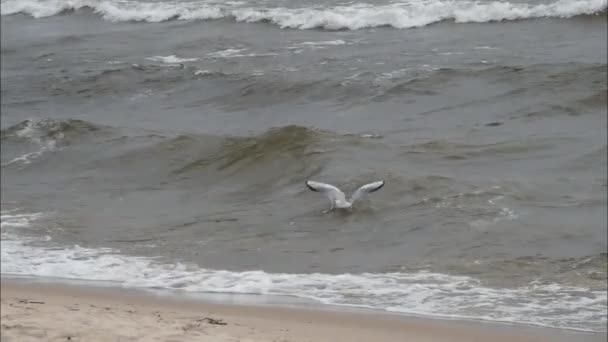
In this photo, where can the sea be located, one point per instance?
(166, 145)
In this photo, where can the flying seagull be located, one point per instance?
(337, 197)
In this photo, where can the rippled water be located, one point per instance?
(158, 144)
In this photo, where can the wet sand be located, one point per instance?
(50, 312)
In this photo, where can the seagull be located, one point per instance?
(337, 197)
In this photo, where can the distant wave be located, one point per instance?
(241, 89)
(406, 14)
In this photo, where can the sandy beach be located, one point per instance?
(49, 312)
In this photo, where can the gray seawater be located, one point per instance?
(166, 145)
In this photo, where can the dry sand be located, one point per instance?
(46, 312)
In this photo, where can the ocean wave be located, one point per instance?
(242, 89)
(47, 135)
(12, 219)
(363, 87)
(418, 292)
(280, 155)
(276, 156)
(456, 151)
(399, 15)
(49, 132)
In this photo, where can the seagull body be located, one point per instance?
(337, 197)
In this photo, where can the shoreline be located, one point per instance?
(52, 310)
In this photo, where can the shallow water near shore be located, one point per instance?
(247, 303)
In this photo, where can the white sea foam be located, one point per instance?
(17, 220)
(142, 95)
(450, 53)
(484, 47)
(225, 53)
(202, 72)
(403, 14)
(25, 158)
(233, 53)
(298, 48)
(418, 72)
(419, 293)
(482, 225)
(34, 131)
(323, 43)
(172, 59)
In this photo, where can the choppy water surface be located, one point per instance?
(166, 144)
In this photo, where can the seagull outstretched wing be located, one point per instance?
(334, 194)
(366, 189)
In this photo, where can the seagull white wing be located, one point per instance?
(334, 194)
(365, 189)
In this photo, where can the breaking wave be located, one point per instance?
(419, 293)
(401, 15)
(46, 135)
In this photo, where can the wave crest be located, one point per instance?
(400, 15)
(45, 130)
(47, 135)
